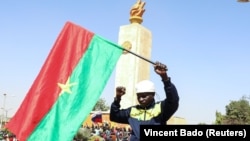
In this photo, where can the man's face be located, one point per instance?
(145, 99)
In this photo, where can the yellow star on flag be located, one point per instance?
(66, 87)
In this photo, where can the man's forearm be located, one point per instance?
(170, 90)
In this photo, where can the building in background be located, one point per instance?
(105, 120)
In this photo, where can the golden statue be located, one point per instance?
(136, 12)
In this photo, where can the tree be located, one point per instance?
(101, 105)
(237, 112)
(219, 118)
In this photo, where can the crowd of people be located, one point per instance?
(7, 136)
(109, 133)
(99, 132)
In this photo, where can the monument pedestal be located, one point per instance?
(131, 69)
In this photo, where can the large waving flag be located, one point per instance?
(67, 87)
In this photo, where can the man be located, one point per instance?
(148, 111)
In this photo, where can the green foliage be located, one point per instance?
(237, 112)
(219, 118)
(101, 105)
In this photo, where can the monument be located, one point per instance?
(131, 69)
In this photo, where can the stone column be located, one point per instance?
(131, 69)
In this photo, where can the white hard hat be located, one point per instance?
(145, 86)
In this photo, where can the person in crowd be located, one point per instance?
(148, 111)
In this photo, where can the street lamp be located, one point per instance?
(2, 118)
(6, 114)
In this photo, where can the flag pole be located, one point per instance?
(139, 56)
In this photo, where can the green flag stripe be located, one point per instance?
(88, 81)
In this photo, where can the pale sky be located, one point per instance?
(205, 44)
